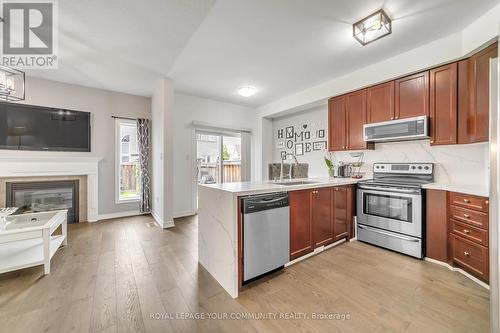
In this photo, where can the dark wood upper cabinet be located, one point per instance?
(380, 102)
(322, 216)
(346, 117)
(412, 96)
(443, 104)
(356, 118)
(473, 101)
(337, 123)
(301, 227)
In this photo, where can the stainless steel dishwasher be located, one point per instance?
(266, 234)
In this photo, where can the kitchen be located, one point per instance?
(409, 162)
(257, 166)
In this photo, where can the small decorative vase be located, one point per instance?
(331, 173)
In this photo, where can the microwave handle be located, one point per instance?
(388, 233)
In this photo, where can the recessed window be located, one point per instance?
(128, 168)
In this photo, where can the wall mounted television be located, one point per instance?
(30, 127)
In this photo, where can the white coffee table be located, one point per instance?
(28, 240)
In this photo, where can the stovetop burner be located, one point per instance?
(412, 175)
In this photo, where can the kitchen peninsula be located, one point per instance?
(219, 229)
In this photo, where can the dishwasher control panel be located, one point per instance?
(258, 203)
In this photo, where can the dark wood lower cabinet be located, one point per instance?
(457, 231)
(301, 231)
(437, 225)
(318, 217)
(341, 218)
(470, 256)
(322, 216)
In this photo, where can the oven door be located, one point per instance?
(394, 210)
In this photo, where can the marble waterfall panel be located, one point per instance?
(217, 236)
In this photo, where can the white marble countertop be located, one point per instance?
(247, 188)
(480, 190)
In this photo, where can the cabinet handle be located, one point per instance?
(486, 202)
(466, 216)
(466, 253)
(432, 141)
(392, 118)
(466, 200)
(466, 231)
(396, 118)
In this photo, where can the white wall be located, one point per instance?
(455, 164)
(102, 104)
(315, 120)
(162, 110)
(189, 108)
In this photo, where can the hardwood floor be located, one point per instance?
(118, 275)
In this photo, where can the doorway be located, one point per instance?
(218, 158)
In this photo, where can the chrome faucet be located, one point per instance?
(281, 168)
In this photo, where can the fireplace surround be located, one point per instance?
(51, 165)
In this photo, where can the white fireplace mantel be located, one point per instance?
(39, 166)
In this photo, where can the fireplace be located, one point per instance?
(32, 197)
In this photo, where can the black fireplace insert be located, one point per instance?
(32, 197)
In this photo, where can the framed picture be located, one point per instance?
(299, 135)
(319, 145)
(321, 134)
(289, 144)
(299, 149)
(280, 144)
(283, 155)
(307, 135)
(289, 132)
(308, 147)
(280, 134)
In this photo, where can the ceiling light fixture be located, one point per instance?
(12, 84)
(247, 91)
(372, 27)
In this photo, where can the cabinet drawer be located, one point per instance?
(469, 201)
(469, 232)
(472, 217)
(472, 257)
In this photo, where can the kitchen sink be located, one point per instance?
(290, 183)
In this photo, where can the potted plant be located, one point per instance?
(330, 165)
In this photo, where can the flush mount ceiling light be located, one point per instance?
(247, 91)
(372, 27)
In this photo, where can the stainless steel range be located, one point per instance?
(390, 207)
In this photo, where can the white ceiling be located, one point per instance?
(280, 46)
(122, 45)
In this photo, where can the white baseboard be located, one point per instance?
(161, 223)
(118, 215)
(183, 214)
(459, 270)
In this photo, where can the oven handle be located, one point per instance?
(382, 190)
(388, 233)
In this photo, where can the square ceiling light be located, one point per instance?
(372, 27)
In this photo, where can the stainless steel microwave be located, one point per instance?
(397, 130)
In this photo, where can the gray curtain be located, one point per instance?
(143, 138)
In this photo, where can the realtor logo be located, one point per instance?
(29, 34)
